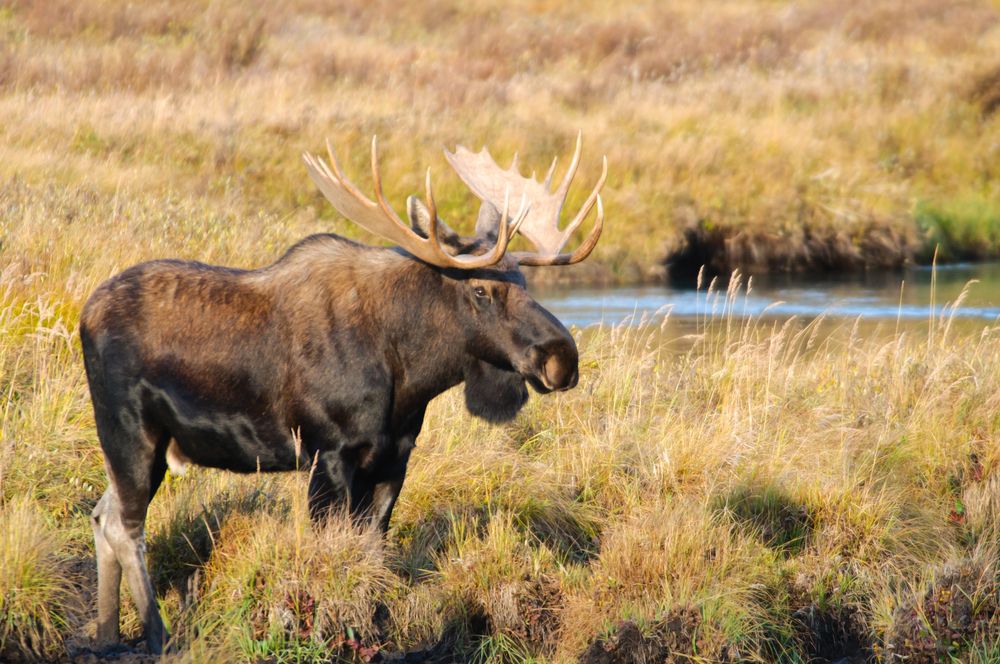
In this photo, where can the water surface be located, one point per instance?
(884, 295)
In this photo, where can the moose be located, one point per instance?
(325, 359)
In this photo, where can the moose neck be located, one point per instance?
(404, 307)
(423, 339)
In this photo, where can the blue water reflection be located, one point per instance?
(904, 294)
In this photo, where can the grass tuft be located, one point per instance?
(38, 585)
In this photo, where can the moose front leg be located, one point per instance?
(373, 497)
(386, 491)
(384, 500)
(329, 485)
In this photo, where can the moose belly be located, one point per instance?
(217, 435)
(231, 443)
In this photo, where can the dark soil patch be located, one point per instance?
(672, 639)
(831, 634)
(957, 611)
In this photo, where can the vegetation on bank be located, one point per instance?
(738, 491)
(762, 135)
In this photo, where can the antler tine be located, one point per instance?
(506, 205)
(377, 182)
(589, 203)
(587, 246)
(431, 207)
(333, 162)
(338, 174)
(571, 172)
(548, 176)
(522, 214)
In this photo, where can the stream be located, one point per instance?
(910, 294)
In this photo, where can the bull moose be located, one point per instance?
(325, 359)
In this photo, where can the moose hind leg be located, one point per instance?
(136, 465)
(109, 575)
(127, 540)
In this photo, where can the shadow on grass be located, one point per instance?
(185, 543)
(766, 512)
(572, 538)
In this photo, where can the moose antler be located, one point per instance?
(378, 216)
(541, 225)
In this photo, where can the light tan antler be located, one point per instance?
(378, 216)
(541, 226)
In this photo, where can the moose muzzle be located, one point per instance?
(555, 365)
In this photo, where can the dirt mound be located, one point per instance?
(538, 603)
(958, 610)
(670, 640)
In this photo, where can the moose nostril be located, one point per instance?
(559, 374)
(551, 370)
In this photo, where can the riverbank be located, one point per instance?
(759, 136)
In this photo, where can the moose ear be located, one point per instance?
(488, 222)
(420, 219)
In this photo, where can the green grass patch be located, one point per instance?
(962, 228)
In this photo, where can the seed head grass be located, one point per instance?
(38, 581)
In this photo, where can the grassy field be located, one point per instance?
(760, 134)
(756, 491)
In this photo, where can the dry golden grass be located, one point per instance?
(762, 135)
(38, 594)
(759, 491)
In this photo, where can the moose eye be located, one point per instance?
(479, 291)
